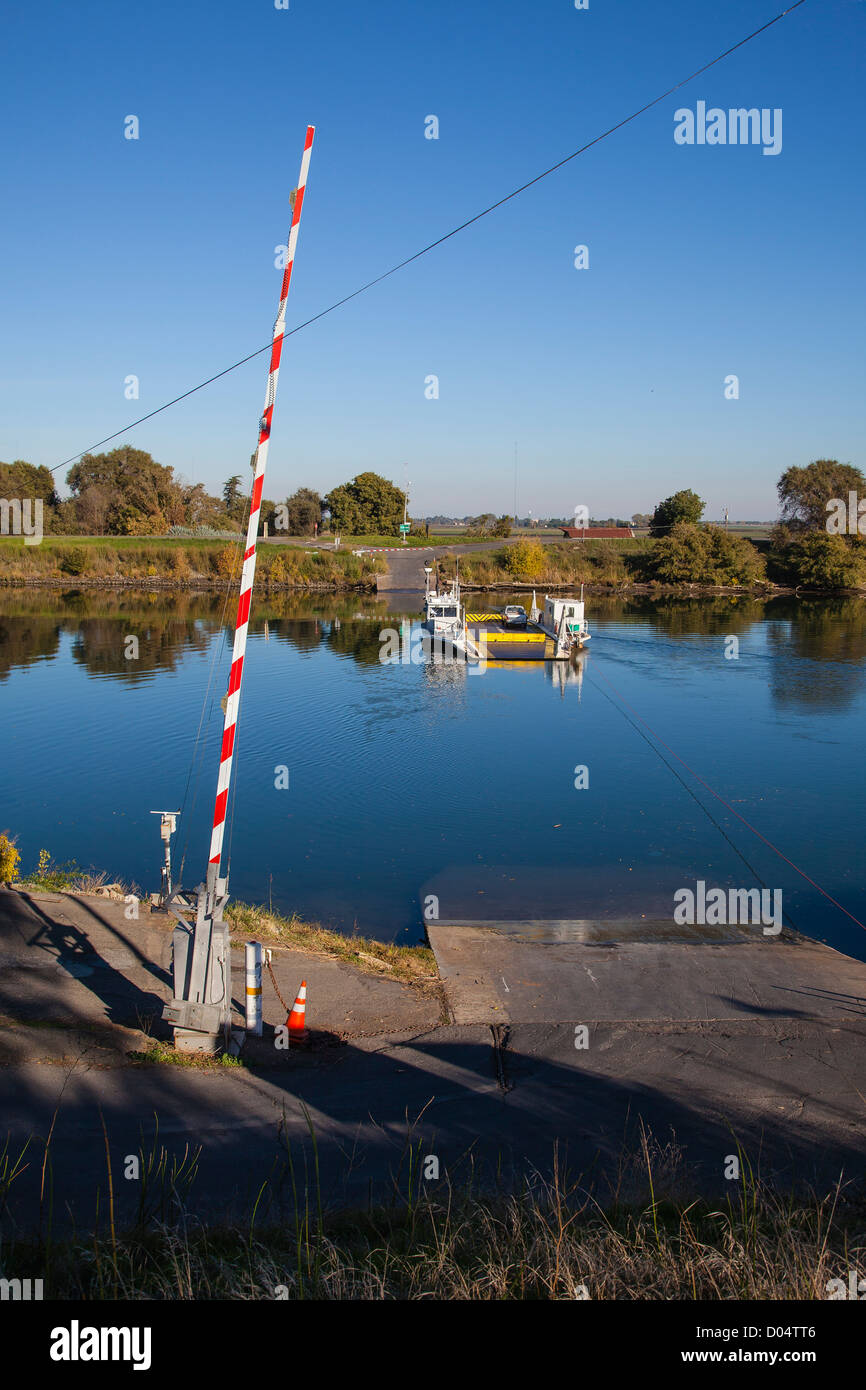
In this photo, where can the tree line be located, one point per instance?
(125, 492)
(818, 541)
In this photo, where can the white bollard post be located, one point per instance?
(253, 961)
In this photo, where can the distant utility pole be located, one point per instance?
(515, 482)
(726, 518)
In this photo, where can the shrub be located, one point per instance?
(704, 555)
(9, 858)
(732, 559)
(179, 561)
(284, 568)
(49, 875)
(226, 560)
(817, 560)
(680, 557)
(75, 560)
(525, 559)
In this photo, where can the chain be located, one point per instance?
(276, 987)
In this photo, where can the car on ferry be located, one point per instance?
(514, 614)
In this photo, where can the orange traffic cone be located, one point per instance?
(296, 1021)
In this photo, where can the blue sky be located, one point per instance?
(155, 257)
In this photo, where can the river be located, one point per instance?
(411, 784)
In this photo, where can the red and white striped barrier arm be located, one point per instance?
(249, 566)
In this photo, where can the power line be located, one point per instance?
(684, 784)
(730, 808)
(440, 240)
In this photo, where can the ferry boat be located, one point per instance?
(553, 632)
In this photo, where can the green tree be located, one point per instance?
(125, 492)
(304, 512)
(805, 492)
(35, 482)
(345, 511)
(200, 508)
(233, 500)
(21, 479)
(489, 525)
(481, 525)
(367, 505)
(680, 506)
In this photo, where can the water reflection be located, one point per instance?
(815, 649)
(715, 616)
(26, 640)
(818, 652)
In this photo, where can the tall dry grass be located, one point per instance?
(179, 564)
(651, 1238)
(589, 562)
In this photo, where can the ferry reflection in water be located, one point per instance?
(444, 667)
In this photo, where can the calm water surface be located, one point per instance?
(413, 780)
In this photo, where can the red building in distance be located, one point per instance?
(597, 533)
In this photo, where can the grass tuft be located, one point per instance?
(414, 965)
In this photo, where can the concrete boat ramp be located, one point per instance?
(703, 1033)
(637, 970)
